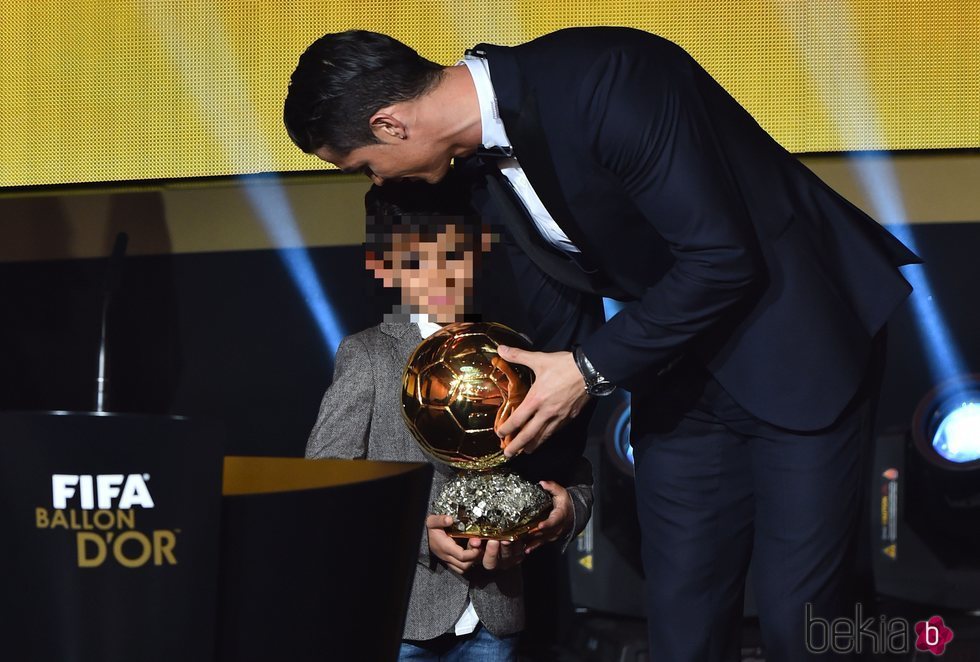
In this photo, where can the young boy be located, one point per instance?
(467, 601)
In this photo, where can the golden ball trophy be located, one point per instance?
(456, 390)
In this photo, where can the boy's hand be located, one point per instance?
(446, 549)
(500, 554)
(560, 521)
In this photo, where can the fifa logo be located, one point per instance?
(101, 510)
(99, 492)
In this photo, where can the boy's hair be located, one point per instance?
(342, 79)
(420, 209)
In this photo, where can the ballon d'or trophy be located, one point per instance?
(455, 391)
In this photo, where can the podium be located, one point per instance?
(131, 538)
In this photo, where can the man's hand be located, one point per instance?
(446, 549)
(560, 520)
(500, 554)
(558, 394)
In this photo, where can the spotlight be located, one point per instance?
(618, 439)
(943, 503)
(927, 501)
(946, 424)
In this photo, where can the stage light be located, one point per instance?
(958, 436)
(927, 507)
(946, 424)
(619, 441)
(236, 128)
(611, 307)
(268, 197)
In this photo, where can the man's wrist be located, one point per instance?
(595, 383)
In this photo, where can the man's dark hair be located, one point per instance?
(342, 79)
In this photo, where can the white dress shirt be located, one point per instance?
(469, 620)
(495, 135)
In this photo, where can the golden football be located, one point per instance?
(456, 390)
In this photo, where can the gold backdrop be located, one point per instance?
(106, 90)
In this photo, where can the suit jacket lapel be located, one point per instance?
(548, 259)
(518, 107)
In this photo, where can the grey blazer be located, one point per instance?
(360, 417)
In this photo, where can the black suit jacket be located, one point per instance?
(721, 242)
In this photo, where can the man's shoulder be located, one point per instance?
(557, 61)
(592, 39)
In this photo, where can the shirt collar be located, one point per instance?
(493, 134)
(426, 328)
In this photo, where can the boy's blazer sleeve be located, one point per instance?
(580, 491)
(342, 426)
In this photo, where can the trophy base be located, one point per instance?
(495, 505)
(509, 536)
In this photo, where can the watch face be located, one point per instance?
(602, 389)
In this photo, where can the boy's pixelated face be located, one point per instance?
(433, 271)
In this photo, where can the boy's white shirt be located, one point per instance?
(469, 620)
(426, 328)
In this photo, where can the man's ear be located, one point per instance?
(387, 126)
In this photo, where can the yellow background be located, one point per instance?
(107, 90)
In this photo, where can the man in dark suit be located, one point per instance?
(756, 297)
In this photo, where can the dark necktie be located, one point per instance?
(495, 152)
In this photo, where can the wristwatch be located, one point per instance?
(595, 384)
